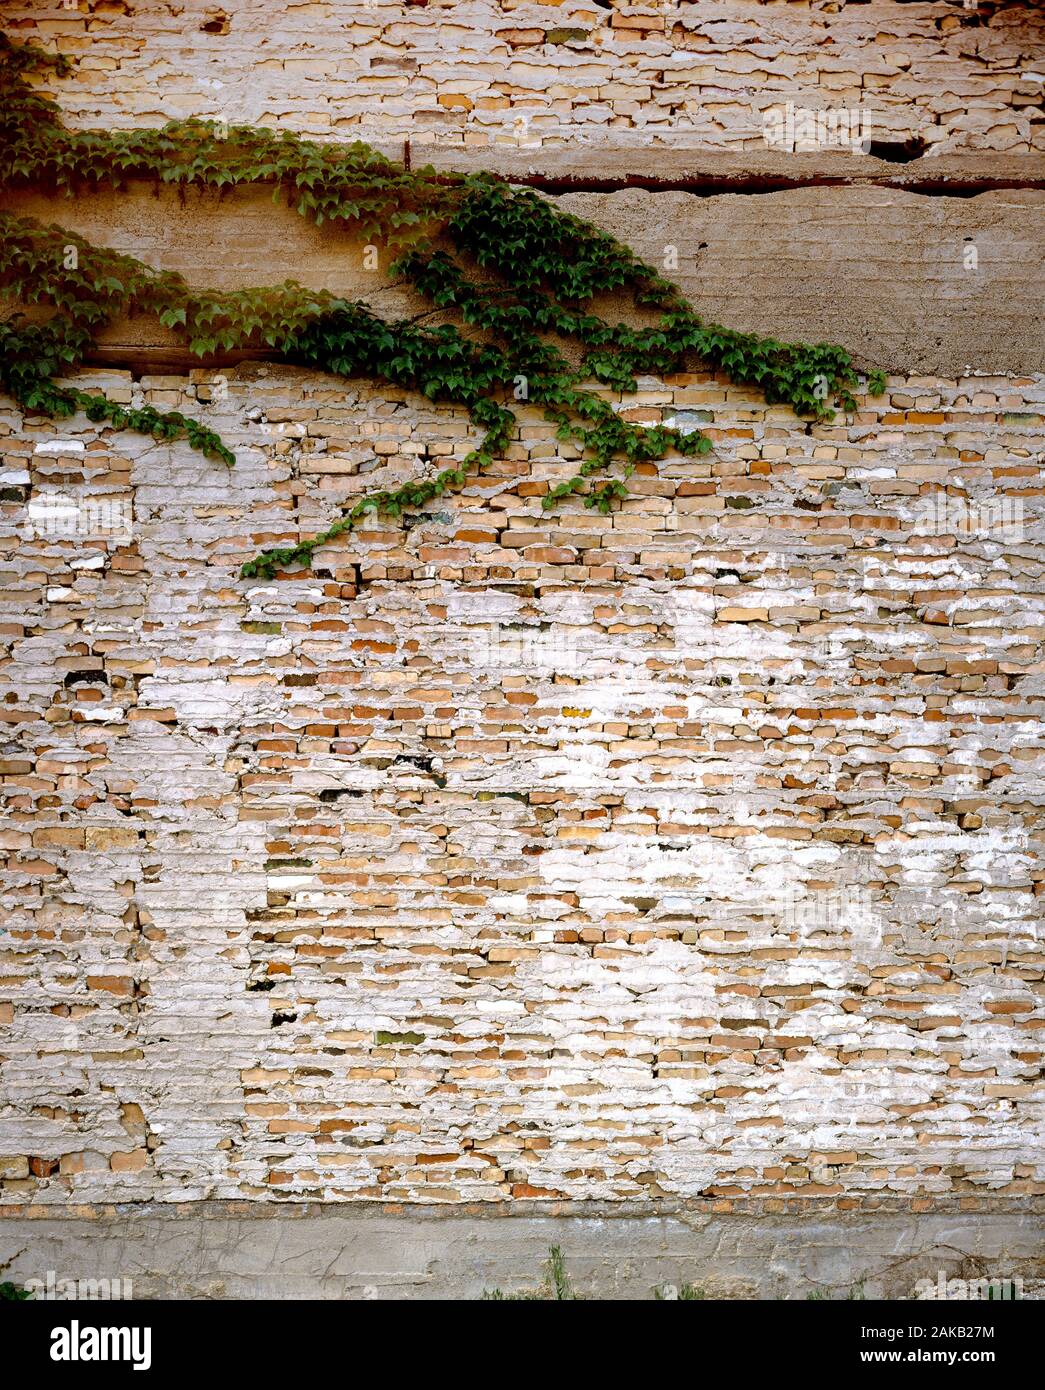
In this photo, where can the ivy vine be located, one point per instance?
(520, 274)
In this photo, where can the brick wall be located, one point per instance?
(458, 73)
(690, 852)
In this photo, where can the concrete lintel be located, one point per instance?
(909, 284)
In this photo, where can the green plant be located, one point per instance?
(13, 1292)
(856, 1293)
(521, 276)
(683, 1293)
(562, 1289)
(555, 1286)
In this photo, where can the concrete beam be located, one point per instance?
(910, 283)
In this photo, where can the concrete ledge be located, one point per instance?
(911, 284)
(236, 1250)
(609, 164)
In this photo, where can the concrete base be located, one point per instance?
(225, 1250)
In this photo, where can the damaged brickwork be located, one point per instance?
(691, 851)
(944, 76)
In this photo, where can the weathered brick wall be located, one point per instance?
(689, 852)
(464, 72)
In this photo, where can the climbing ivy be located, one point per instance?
(522, 276)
